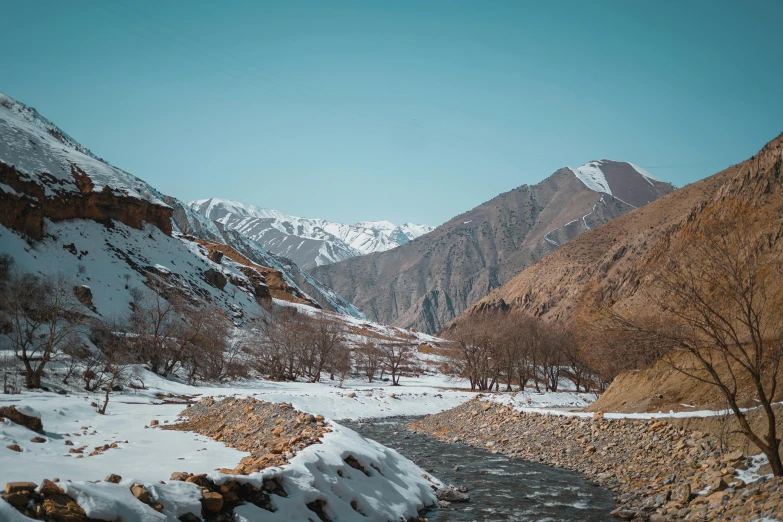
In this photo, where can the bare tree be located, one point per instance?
(474, 354)
(718, 311)
(155, 320)
(396, 356)
(323, 339)
(115, 356)
(42, 315)
(277, 347)
(369, 359)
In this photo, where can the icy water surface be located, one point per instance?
(500, 489)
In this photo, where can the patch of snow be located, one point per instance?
(643, 172)
(592, 176)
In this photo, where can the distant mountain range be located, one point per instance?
(307, 242)
(427, 282)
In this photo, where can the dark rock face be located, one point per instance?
(26, 209)
(424, 284)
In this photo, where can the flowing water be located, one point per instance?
(500, 489)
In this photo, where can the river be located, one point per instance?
(500, 489)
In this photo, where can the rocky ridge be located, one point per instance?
(660, 472)
(427, 282)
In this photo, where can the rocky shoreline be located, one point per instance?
(658, 472)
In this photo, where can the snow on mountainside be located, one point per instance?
(306, 241)
(34, 145)
(66, 210)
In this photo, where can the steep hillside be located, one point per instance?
(307, 242)
(66, 210)
(614, 260)
(427, 282)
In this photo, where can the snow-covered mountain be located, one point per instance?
(306, 241)
(65, 210)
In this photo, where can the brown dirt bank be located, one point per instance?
(662, 388)
(656, 468)
(272, 433)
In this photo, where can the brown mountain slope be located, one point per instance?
(614, 258)
(427, 282)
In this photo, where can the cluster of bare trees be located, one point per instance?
(290, 344)
(42, 322)
(514, 349)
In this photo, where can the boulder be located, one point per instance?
(212, 501)
(63, 508)
(20, 487)
(84, 294)
(25, 417)
(49, 488)
(215, 278)
(216, 256)
(141, 493)
(451, 494)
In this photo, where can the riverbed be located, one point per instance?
(500, 489)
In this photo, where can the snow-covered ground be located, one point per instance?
(153, 454)
(148, 454)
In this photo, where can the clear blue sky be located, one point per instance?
(406, 111)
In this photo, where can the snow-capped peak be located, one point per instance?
(592, 176)
(308, 241)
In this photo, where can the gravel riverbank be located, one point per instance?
(659, 472)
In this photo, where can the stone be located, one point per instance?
(62, 508)
(38, 440)
(49, 488)
(681, 493)
(154, 422)
(718, 484)
(212, 501)
(20, 487)
(114, 479)
(14, 447)
(179, 475)
(623, 513)
(215, 278)
(141, 493)
(30, 422)
(84, 294)
(17, 499)
(451, 494)
(216, 256)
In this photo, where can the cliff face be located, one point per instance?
(426, 283)
(615, 260)
(46, 174)
(26, 204)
